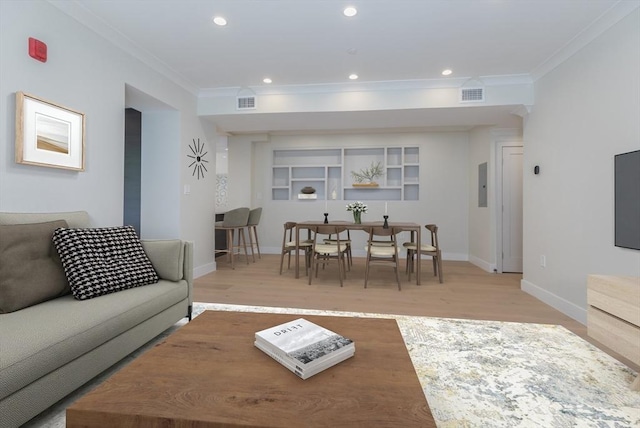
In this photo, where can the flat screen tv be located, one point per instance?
(627, 200)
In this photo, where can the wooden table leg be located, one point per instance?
(297, 252)
(418, 256)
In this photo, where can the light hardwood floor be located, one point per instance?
(468, 292)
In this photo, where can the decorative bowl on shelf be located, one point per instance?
(308, 190)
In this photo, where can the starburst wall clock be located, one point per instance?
(197, 158)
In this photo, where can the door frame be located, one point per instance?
(502, 138)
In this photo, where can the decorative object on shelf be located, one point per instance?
(334, 194)
(197, 159)
(48, 134)
(308, 190)
(326, 218)
(307, 196)
(366, 176)
(386, 223)
(357, 208)
(366, 185)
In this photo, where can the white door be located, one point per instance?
(512, 209)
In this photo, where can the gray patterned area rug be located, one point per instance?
(485, 373)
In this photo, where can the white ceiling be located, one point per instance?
(300, 42)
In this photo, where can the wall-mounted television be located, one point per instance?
(627, 200)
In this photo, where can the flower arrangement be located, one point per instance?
(357, 208)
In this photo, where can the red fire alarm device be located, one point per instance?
(37, 49)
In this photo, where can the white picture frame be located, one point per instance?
(48, 134)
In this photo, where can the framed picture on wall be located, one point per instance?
(48, 134)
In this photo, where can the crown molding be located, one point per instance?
(77, 11)
(607, 20)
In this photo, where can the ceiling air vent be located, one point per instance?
(469, 95)
(246, 103)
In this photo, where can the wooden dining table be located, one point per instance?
(413, 228)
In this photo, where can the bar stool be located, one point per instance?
(234, 220)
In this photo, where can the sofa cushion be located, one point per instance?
(100, 261)
(30, 270)
(63, 329)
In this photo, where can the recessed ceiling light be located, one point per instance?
(353, 76)
(218, 20)
(446, 72)
(267, 80)
(350, 11)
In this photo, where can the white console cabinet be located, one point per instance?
(329, 172)
(614, 315)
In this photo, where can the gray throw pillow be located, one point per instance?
(100, 261)
(30, 270)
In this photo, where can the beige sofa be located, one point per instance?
(52, 348)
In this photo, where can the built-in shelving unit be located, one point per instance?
(329, 172)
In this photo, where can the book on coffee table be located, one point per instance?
(303, 347)
(308, 372)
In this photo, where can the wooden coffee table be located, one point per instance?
(209, 374)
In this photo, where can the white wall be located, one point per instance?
(481, 230)
(444, 185)
(87, 73)
(587, 110)
(160, 175)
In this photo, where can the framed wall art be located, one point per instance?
(48, 134)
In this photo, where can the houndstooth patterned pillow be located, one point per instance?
(100, 261)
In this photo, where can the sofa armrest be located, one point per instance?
(188, 271)
(172, 259)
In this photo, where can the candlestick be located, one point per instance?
(326, 220)
(386, 224)
(385, 207)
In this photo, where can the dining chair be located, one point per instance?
(234, 220)
(252, 229)
(347, 244)
(432, 250)
(380, 251)
(328, 252)
(289, 246)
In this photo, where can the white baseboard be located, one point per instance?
(203, 270)
(569, 309)
(482, 264)
(458, 257)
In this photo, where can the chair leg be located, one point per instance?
(253, 255)
(230, 247)
(307, 261)
(244, 243)
(435, 265)
(345, 265)
(366, 270)
(282, 259)
(440, 268)
(397, 274)
(340, 260)
(313, 262)
(409, 263)
(255, 235)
